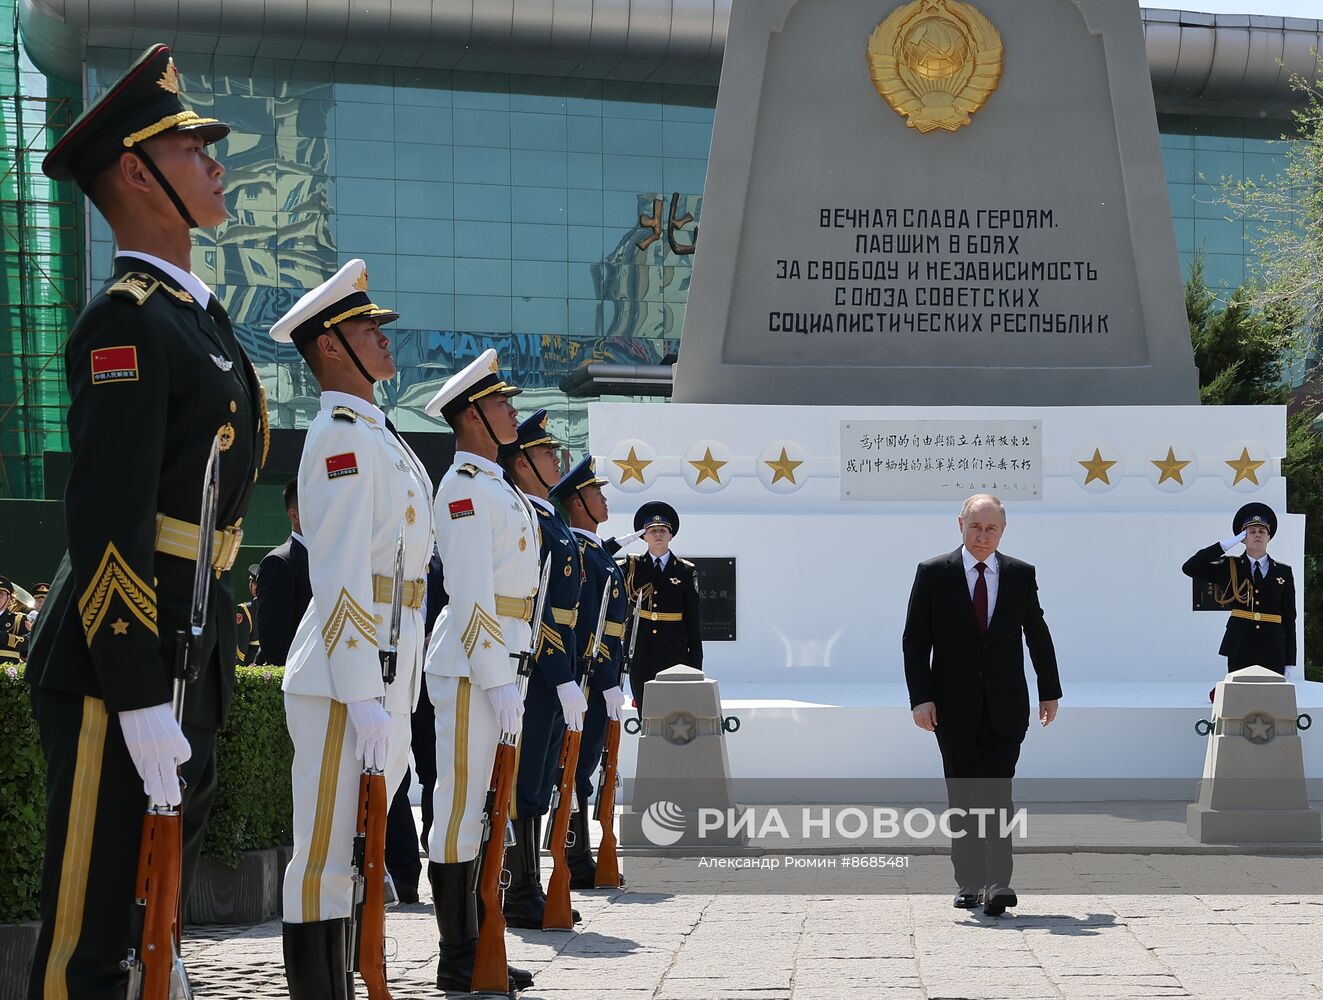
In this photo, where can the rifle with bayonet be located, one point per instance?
(367, 915)
(491, 971)
(156, 970)
(607, 875)
(558, 914)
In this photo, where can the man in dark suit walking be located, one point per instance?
(964, 665)
(283, 588)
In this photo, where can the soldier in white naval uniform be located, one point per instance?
(488, 539)
(358, 483)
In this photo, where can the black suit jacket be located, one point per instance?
(283, 593)
(946, 660)
(1267, 644)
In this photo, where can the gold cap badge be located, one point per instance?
(360, 283)
(170, 78)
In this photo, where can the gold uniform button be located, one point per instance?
(234, 407)
(654, 631)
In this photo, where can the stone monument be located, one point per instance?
(935, 202)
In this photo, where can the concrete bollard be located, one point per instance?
(683, 773)
(1253, 787)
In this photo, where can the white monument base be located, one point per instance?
(822, 581)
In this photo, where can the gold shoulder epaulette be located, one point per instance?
(344, 413)
(686, 562)
(136, 286)
(178, 294)
(468, 469)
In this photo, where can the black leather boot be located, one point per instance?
(583, 869)
(520, 979)
(524, 901)
(315, 960)
(454, 900)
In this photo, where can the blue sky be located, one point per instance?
(1282, 8)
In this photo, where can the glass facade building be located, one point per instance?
(552, 218)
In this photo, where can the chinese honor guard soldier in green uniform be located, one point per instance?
(553, 700)
(668, 629)
(487, 537)
(1257, 590)
(358, 484)
(155, 376)
(579, 497)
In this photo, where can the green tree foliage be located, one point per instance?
(1242, 353)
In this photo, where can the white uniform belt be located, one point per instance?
(180, 539)
(414, 591)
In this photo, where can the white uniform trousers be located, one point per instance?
(466, 737)
(325, 776)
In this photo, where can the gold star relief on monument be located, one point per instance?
(1246, 468)
(1170, 467)
(783, 468)
(1097, 468)
(631, 466)
(351, 642)
(119, 626)
(708, 468)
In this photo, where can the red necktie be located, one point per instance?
(981, 600)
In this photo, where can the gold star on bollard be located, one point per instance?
(783, 468)
(708, 468)
(631, 466)
(1097, 468)
(1246, 468)
(1170, 467)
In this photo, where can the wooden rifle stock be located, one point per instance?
(608, 859)
(369, 947)
(558, 914)
(157, 893)
(491, 972)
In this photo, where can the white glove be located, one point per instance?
(371, 724)
(630, 538)
(508, 706)
(157, 747)
(1230, 543)
(572, 705)
(1290, 673)
(615, 701)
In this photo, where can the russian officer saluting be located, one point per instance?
(553, 700)
(487, 537)
(669, 628)
(155, 376)
(358, 484)
(579, 498)
(1258, 590)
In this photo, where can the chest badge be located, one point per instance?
(675, 581)
(1281, 581)
(568, 569)
(225, 436)
(410, 515)
(523, 543)
(222, 363)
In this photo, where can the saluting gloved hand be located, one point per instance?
(572, 705)
(615, 701)
(632, 537)
(157, 746)
(1230, 543)
(508, 706)
(371, 724)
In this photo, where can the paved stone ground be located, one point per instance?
(650, 946)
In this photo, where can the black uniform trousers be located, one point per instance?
(979, 764)
(590, 747)
(94, 814)
(539, 749)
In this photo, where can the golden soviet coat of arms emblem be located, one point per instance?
(935, 62)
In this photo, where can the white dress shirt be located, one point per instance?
(989, 578)
(188, 281)
(1262, 563)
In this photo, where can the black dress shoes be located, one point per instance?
(966, 899)
(997, 900)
